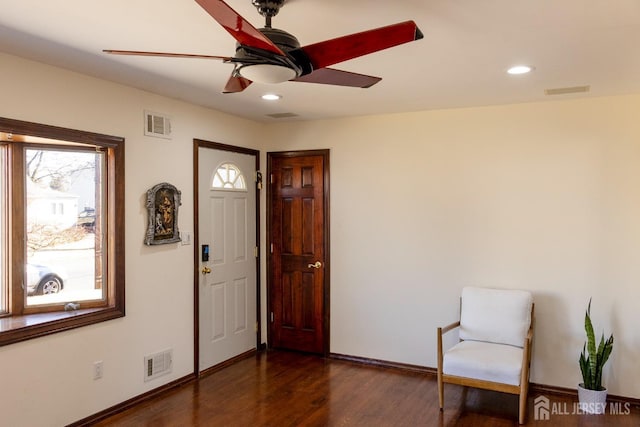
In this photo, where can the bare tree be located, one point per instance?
(56, 170)
(58, 173)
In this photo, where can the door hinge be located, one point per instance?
(271, 248)
(271, 179)
(256, 252)
(272, 317)
(256, 327)
(259, 180)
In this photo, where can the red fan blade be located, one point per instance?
(164, 54)
(329, 52)
(241, 30)
(236, 83)
(330, 76)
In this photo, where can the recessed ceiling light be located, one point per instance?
(520, 69)
(271, 97)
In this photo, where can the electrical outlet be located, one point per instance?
(97, 370)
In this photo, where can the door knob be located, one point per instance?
(317, 264)
(206, 270)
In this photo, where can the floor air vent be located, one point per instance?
(158, 125)
(157, 364)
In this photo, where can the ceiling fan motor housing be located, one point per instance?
(282, 39)
(296, 58)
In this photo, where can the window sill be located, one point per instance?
(21, 328)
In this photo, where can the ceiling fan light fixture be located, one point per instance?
(267, 73)
(520, 69)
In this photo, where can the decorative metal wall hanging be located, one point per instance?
(163, 201)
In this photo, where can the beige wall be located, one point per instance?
(51, 377)
(536, 196)
(543, 197)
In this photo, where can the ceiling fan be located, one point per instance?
(270, 55)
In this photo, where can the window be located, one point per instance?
(61, 196)
(64, 250)
(228, 177)
(4, 259)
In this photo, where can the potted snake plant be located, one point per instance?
(592, 395)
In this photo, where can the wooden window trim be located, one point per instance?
(20, 327)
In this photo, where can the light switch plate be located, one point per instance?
(185, 236)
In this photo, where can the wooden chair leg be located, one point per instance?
(522, 409)
(441, 392)
(440, 362)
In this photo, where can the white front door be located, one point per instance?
(227, 224)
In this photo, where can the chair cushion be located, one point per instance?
(500, 316)
(484, 361)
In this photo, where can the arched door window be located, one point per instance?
(228, 177)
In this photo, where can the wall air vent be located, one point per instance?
(282, 115)
(567, 90)
(157, 364)
(156, 124)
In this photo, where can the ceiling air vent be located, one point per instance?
(282, 115)
(567, 90)
(156, 124)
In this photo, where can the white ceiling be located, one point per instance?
(461, 61)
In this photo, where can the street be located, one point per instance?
(75, 263)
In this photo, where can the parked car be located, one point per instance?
(42, 280)
(87, 219)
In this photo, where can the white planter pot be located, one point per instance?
(592, 401)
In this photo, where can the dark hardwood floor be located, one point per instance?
(288, 389)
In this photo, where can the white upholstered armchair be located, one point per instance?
(494, 352)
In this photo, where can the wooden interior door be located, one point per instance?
(298, 258)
